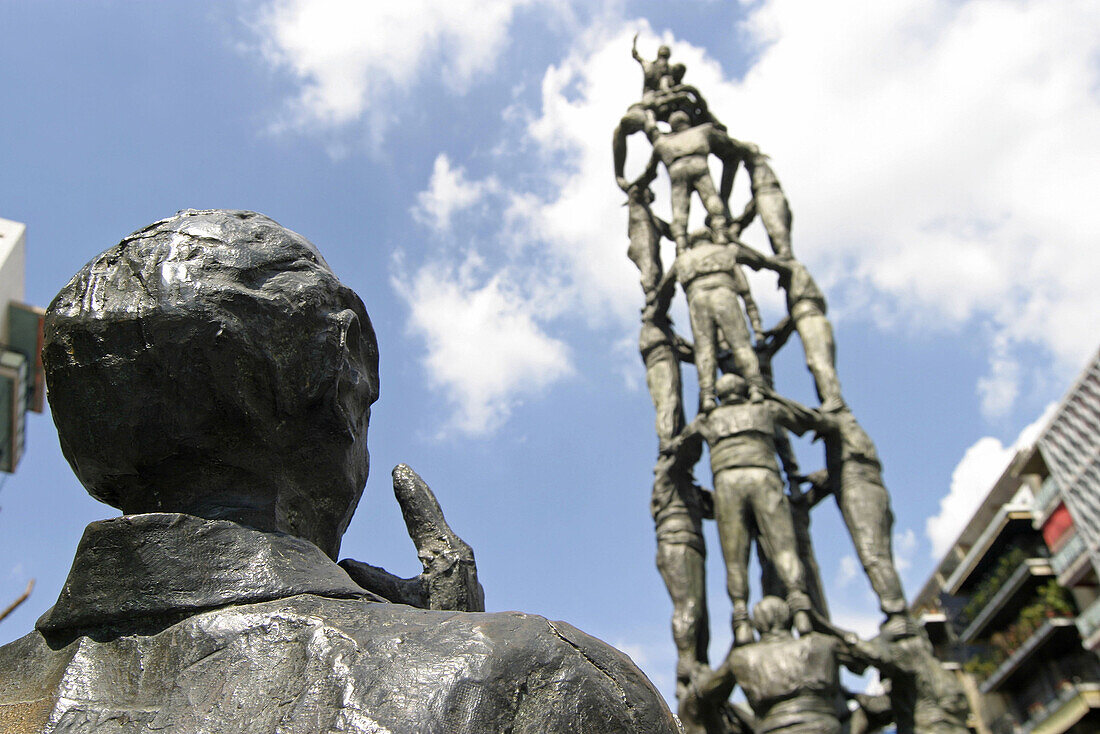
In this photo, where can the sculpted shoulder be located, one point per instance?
(308, 663)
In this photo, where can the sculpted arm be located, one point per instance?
(821, 486)
(751, 256)
(795, 416)
(662, 227)
(694, 431)
(685, 350)
(775, 338)
(449, 580)
(650, 171)
(730, 152)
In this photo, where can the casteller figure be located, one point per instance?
(792, 684)
(653, 72)
(684, 152)
(768, 202)
(712, 279)
(853, 475)
(748, 492)
(678, 506)
(645, 230)
(211, 377)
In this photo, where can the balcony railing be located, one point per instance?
(1048, 491)
(1079, 696)
(1068, 554)
(1020, 656)
(1088, 622)
(1023, 580)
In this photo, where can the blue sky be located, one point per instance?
(452, 162)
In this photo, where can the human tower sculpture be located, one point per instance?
(759, 491)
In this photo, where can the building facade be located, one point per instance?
(22, 384)
(1013, 606)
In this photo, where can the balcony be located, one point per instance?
(1011, 595)
(1011, 526)
(1088, 624)
(1073, 703)
(1047, 497)
(1070, 560)
(1058, 634)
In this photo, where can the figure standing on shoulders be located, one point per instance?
(706, 271)
(854, 476)
(806, 308)
(653, 72)
(768, 201)
(645, 230)
(684, 152)
(662, 350)
(748, 491)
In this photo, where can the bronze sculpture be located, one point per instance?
(743, 420)
(212, 378)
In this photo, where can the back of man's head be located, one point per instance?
(212, 364)
(730, 387)
(679, 120)
(771, 614)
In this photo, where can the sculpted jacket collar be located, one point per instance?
(171, 564)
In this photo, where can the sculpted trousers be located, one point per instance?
(687, 175)
(681, 559)
(713, 310)
(662, 376)
(742, 497)
(644, 251)
(816, 334)
(775, 214)
(682, 567)
(865, 505)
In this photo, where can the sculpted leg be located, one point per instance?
(663, 379)
(731, 515)
(731, 322)
(682, 568)
(775, 214)
(681, 202)
(816, 334)
(865, 505)
(703, 330)
(644, 253)
(773, 519)
(714, 205)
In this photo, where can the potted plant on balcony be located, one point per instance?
(1055, 600)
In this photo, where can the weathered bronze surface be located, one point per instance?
(211, 377)
(790, 682)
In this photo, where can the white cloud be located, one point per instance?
(944, 149)
(859, 621)
(449, 192)
(999, 388)
(485, 348)
(849, 569)
(981, 466)
(938, 157)
(354, 59)
(905, 545)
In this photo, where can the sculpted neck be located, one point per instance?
(170, 564)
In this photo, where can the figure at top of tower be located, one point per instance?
(653, 71)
